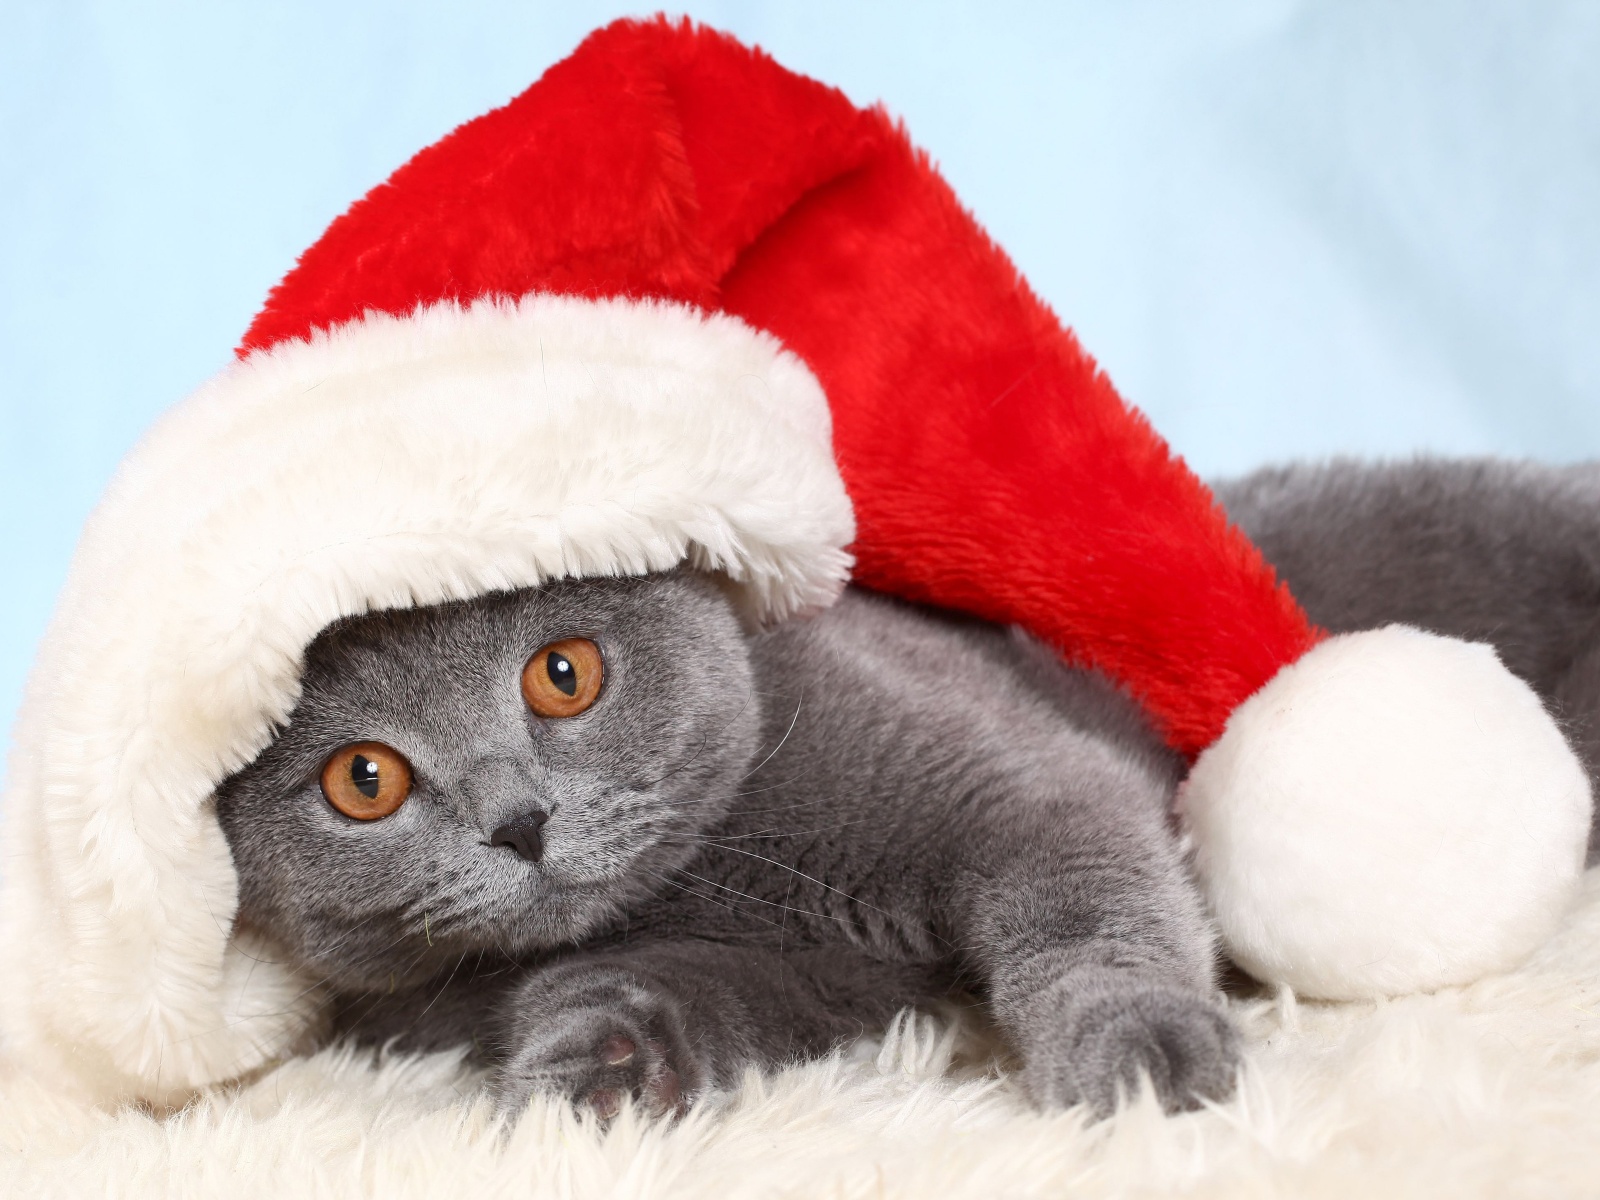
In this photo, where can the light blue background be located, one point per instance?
(1285, 228)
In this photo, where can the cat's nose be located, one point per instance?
(522, 835)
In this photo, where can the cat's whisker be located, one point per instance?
(705, 740)
(782, 783)
(712, 839)
(828, 887)
(726, 905)
(763, 900)
(759, 812)
(443, 987)
(793, 721)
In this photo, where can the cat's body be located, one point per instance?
(794, 834)
(756, 847)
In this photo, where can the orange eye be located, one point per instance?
(367, 780)
(563, 678)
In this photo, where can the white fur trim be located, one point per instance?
(1395, 812)
(392, 462)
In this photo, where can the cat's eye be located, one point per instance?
(367, 780)
(563, 678)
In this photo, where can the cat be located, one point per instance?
(750, 849)
(745, 850)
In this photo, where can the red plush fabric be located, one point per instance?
(641, 166)
(993, 468)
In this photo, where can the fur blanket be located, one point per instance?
(1491, 1090)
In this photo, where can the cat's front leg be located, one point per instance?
(1095, 1032)
(598, 1031)
(1077, 914)
(664, 1022)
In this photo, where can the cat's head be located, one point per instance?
(548, 756)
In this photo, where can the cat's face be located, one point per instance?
(516, 827)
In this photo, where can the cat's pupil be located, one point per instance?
(561, 673)
(364, 774)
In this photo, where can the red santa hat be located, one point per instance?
(676, 304)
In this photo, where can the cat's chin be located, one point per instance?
(571, 905)
(566, 914)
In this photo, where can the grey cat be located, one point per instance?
(747, 849)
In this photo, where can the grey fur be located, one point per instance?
(761, 846)
(757, 847)
(1492, 551)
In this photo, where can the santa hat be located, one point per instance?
(676, 304)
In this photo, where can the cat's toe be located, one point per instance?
(605, 1102)
(1093, 1041)
(647, 1074)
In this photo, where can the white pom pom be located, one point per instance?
(1395, 812)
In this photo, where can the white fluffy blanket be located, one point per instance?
(1492, 1090)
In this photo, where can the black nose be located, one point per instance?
(522, 835)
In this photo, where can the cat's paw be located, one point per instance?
(1092, 1036)
(599, 1039)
